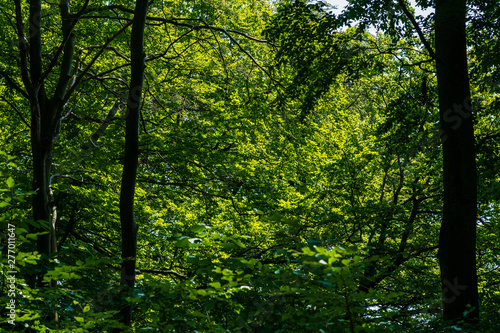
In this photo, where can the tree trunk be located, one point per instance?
(42, 140)
(42, 161)
(45, 115)
(457, 241)
(131, 159)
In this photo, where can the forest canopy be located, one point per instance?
(249, 166)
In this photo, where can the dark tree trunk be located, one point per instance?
(42, 161)
(45, 115)
(42, 138)
(127, 218)
(457, 241)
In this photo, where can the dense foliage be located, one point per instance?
(290, 168)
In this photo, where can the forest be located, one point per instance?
(250, 166)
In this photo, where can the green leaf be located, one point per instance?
(238, 242)
(216, 285)
(198, 228)
(10, 182)
(183, 242)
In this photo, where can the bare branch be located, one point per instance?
(14, 85)
(164, 272)
(176, 22)
(17, 111)
(79, 79)
(417, 28)
(107, 48)
(22, 42)
(67, 35)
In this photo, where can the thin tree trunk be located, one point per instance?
(127, 218)
(42, 160)
(45, 115)
(42, 139)
(457, 241)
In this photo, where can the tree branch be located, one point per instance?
(66, 28)
(17, 111)
(417, 28)
(175, 21)
(14, 85)
(485, 138)
(94, 59)
(22, 42)
(164, 272)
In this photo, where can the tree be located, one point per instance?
(131, 159)
(457, 245)
(46, 110)
(49, 82)
(96, 74)
(299, 195)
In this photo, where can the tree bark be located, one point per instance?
(131, 159)
(42, 140)
(45, 114)
(457, 240)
